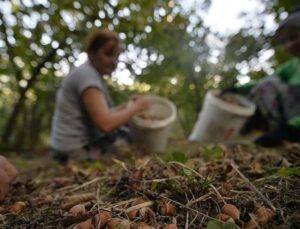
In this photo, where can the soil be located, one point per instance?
(197, 180)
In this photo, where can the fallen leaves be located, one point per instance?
(149, 193)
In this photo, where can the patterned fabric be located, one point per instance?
(276, 100)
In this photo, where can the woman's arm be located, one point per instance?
(106, 119)
(119, 107)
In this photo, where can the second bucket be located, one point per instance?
(219, 120)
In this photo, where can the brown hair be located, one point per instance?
(96, 39)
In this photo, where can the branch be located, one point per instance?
(17, 70)
(252, 186)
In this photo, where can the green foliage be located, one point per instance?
(175, 156)
(211, 152)
(287, 172)
(187, 172)
(213, 224)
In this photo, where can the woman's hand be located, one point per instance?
(107, 119)
(140, 103)
(7, 174)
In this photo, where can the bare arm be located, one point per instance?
(119, 107)
(106, 119)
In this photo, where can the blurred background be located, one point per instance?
(178, 49)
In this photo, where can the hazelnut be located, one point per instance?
(102, 218)
(231, 210)
(2, 210)
(142, 225)
(171, 226)
(252, 224)
(118, 223)
(168, 209)
(18, 207)
(132, 214)
(263, 214)
(78, 209)
(145, 213)
(84, 225)
(225, 218)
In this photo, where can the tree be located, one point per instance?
(43, 40)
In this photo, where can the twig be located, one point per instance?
(76, 199)
(187, 221)
(200, 198)
(120, 163)
(144, 164)
(193, 220)
(123, 202)
(66, 188)
(138, 206)
(198, 174)
(162, 179)
(87, 183)
(253, 219)
(186, 207)
(252, 186)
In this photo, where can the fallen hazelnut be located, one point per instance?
(252, 224)
(231, 210)
(118, 223)
(18, 207)
(223, 217)
(139, 212)
(132, 214)
(77, 210)
(263, 214)
(84, 225)
(145, 213)
(171, 226)
(102, 218)
(168, 209)
(62, 181)
(142, 225)
(2, 210)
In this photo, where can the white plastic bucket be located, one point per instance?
(152, 127)
(221, 121)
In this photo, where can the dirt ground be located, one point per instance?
(186, 187)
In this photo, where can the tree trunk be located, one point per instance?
(18, 105)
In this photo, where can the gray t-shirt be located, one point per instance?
(72, 128)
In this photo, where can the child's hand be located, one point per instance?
(10, 170)
(7, 174)
(4, 183)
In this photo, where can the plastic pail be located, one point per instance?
(221, 121)
(152, 127)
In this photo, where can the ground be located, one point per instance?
(188, 185)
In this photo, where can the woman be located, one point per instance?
(85, 119)
(277, 97)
